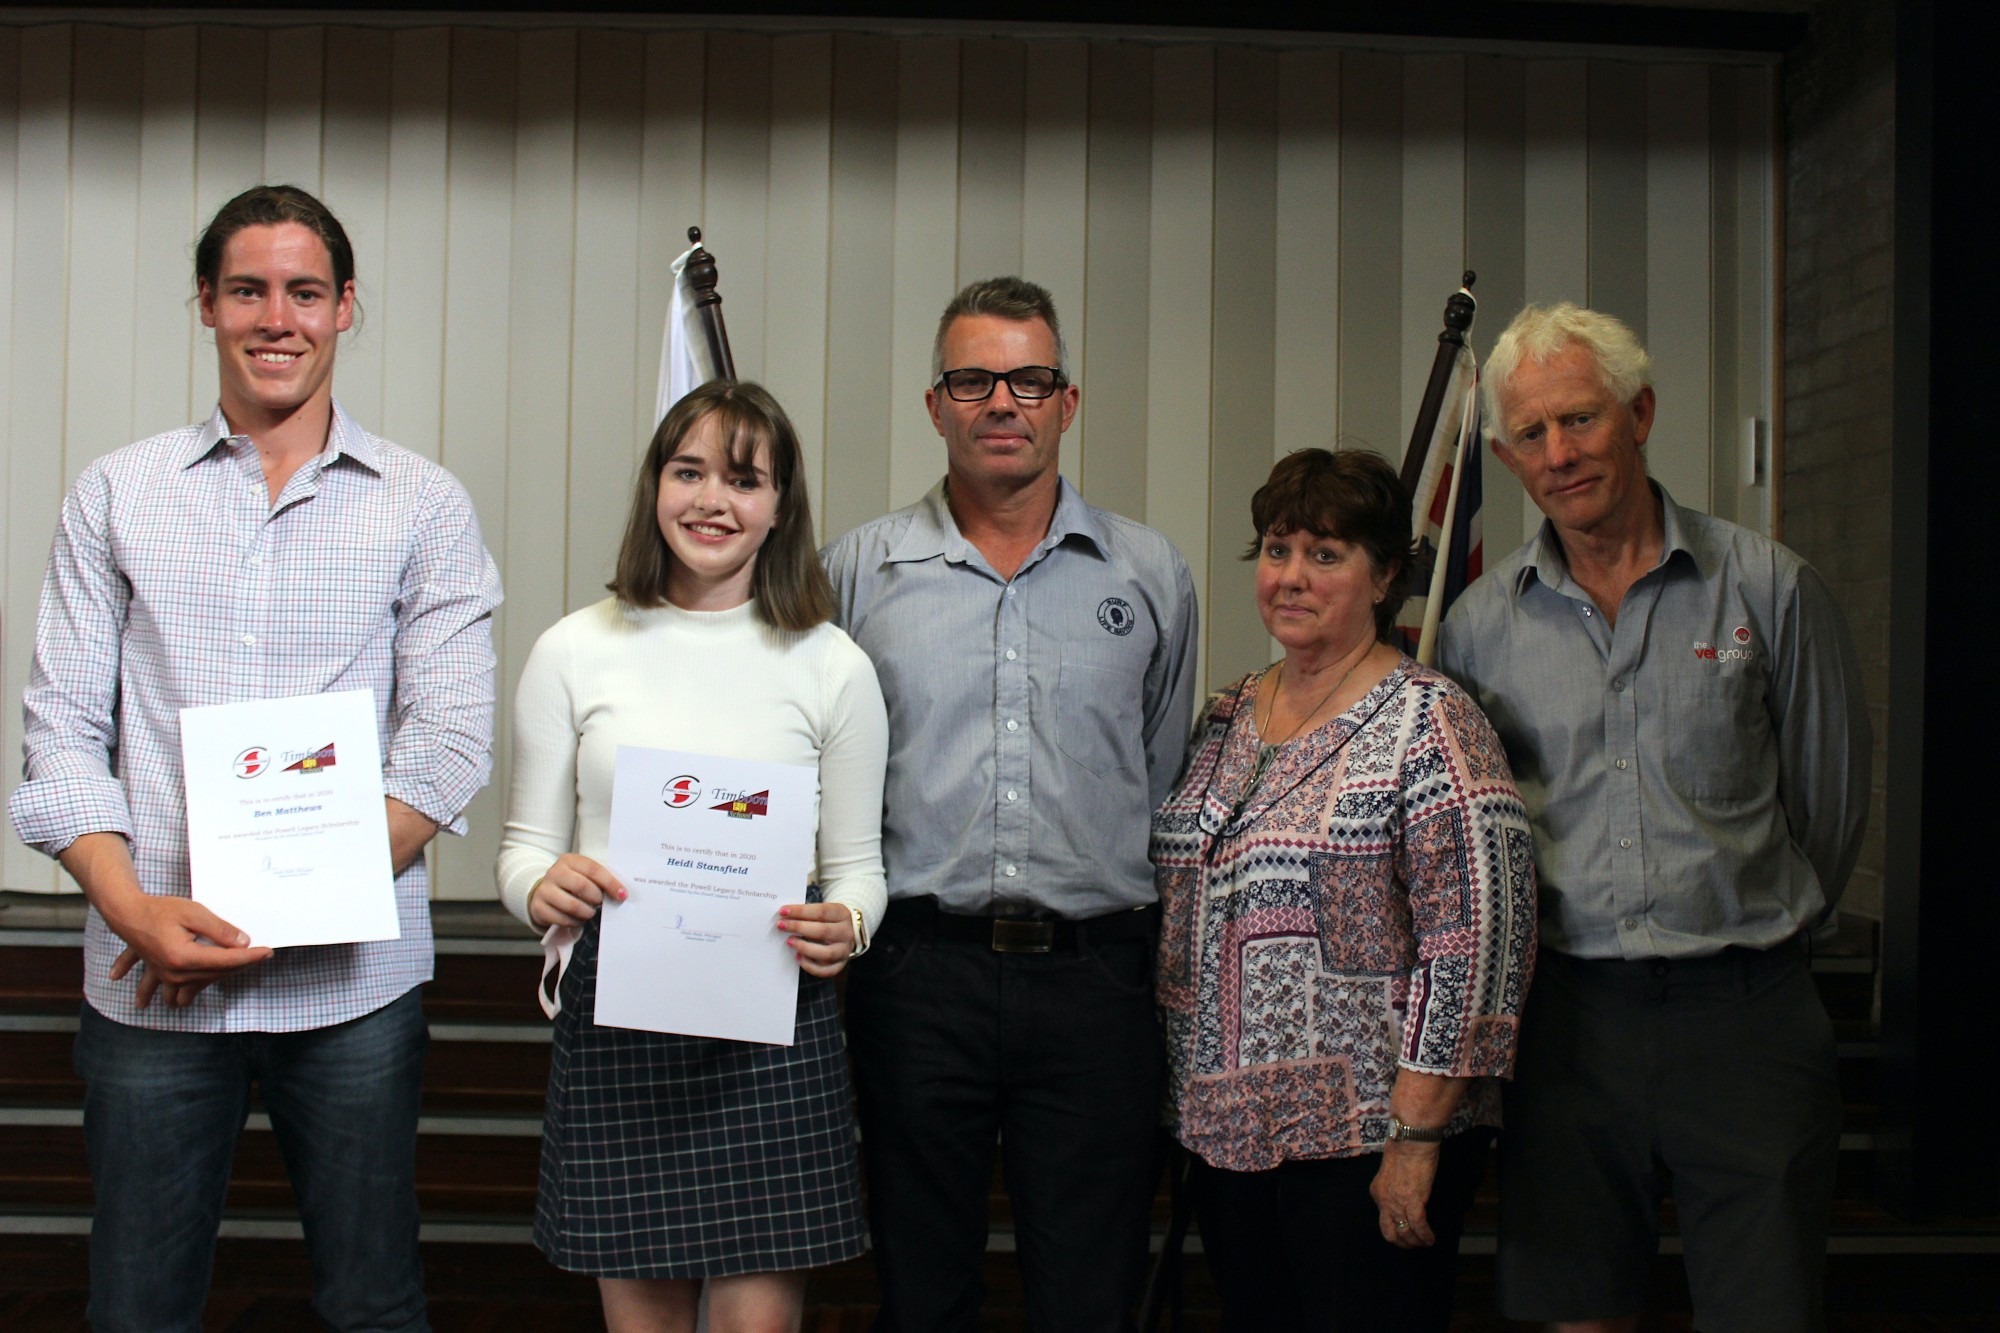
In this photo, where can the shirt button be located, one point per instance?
(1630, 923)
(1011, 654)
(1586, 612)
(1621, 763)
(1617, 686)
(1010, 592)
(1012, 725)
(1013, 796)
(250, 641)
(256, 559)
(1624, 842)
(1011, 872)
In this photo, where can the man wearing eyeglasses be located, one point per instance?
(1038, 659)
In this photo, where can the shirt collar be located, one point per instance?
(1545, 563)
(934, 532)
(345, 439)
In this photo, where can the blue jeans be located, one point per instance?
(162, 1112)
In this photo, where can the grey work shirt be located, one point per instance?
(1035, 722)
(1697, 775)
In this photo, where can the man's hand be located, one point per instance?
(184, 946)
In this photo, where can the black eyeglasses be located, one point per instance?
(976, 386)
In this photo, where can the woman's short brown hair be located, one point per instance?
(1350, 496)
(787, 584)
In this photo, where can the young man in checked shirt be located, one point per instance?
(276, 549)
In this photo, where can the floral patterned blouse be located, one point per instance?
(1369, 906)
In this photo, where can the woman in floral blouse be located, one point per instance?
(1348, 886)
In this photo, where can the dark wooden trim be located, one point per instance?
(1770, 31)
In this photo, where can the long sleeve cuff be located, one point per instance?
(51, 813)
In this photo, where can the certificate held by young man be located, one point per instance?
(708, 849)
(288, 835)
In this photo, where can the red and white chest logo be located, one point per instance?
(1742, 634)
(681, 792)
(252, 761)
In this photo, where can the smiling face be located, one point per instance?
(1574, 446)
(277, 318)
(1003, 440)
(1317, 595)
(714, 519)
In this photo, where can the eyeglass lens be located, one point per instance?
(971, 386)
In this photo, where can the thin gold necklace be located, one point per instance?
(1267, 751)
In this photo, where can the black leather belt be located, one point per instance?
(1020, 934)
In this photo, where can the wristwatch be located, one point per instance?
(860, 932)
(1402, 1133)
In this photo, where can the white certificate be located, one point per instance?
(288, 836)
(708, 849)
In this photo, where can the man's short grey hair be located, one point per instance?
(1006, 298)
(1540, 332)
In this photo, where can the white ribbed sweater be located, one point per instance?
(707, 682)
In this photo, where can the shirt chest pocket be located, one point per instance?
(1098, 714)
(1715, 740)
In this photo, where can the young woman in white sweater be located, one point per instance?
(672, 1162)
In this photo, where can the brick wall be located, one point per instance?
(1839, 117)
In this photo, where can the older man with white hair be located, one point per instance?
(1683, 710)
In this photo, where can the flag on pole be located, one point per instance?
(685, 360)
(1445, 512)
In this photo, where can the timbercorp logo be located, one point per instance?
(1708, 652)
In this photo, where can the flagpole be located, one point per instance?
(1440, 569)
(702, 277)
(1458, 312)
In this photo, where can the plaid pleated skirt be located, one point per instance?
(682, 1157)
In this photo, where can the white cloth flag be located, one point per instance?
(685, 361)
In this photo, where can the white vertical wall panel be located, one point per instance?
(103, 237)
(1055, 186)
(926, 253)
(1179, 335)
(410, 331)
(294, 82)
(795, 294)
(1678, 242)
(608, 145)
(37, 330)
(1557, 222)
(355, 182)
(1305, 414)
(164, 323)
(1253, 246)
(1433, 216)
(479, 241)
(670, 202)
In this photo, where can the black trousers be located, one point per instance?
(1055, 1059)
(1299, 1247)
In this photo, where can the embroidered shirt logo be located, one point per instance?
(681, 792)
(1742, 634)
(1115, 614)
(1708, 652)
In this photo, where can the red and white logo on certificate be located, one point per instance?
(681, 792)
(253, 761)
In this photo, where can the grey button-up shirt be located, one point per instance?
(1697, 775)
(1034, 722)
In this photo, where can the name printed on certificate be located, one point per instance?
(708, 849)
(288, 836)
